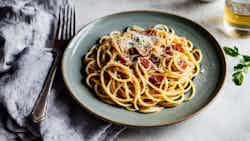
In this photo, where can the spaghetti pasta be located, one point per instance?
(143, 70)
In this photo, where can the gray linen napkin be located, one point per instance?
(26, 33)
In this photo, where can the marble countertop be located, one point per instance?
(227, 118)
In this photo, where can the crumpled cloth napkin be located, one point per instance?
(26, 35)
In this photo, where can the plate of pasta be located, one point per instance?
(143, 68)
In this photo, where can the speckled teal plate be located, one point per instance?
(208, 82)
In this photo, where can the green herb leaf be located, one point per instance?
(140, 41)
(238, 78)
(239, 67)
(246, 68)
(231, 51)
(130, 27)
(242, 67)
(246, 58)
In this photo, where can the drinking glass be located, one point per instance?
(237, 16)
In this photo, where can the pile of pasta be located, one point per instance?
(143, 70)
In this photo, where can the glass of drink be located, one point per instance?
(237, 16)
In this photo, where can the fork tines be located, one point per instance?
(66, 22)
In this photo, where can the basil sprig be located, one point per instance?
(241, 68)
(238, 78)
(231, 51)
(246, 58)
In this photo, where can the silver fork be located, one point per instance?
(65, 31)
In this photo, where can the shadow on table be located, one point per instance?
(152, 131)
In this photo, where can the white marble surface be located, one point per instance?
(228, 117)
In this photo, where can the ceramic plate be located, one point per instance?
(208, 82)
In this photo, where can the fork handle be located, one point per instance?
(39, 111)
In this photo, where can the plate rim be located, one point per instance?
(217, 89)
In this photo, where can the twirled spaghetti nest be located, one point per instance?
(143, 70)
